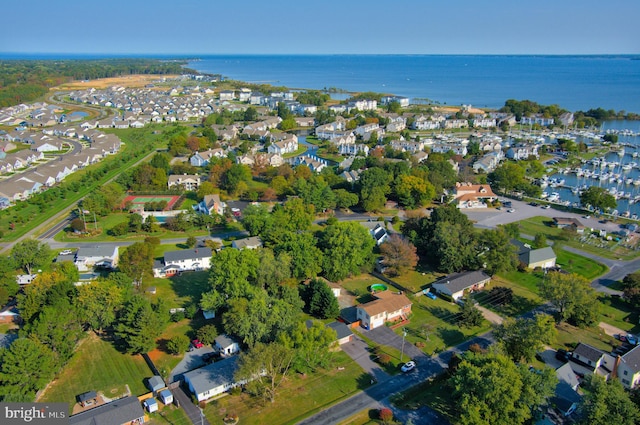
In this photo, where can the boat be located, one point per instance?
(554, 197)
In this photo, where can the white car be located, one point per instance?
(408, 366)
(510, 210)
(66, 252)
(545, 207)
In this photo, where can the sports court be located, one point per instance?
(140, 200)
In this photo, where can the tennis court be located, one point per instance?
(140, 200)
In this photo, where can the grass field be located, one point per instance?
(98, 366)
(103, 83)
(299, 397)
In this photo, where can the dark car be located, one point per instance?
(562, 355)
(210, 357)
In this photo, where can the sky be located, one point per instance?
(200, 27)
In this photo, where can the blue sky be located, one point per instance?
(162, 27)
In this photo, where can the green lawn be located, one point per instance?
(524, 299)
(98, 366)
(359, 286)
(569, 336)
(181, 290)
(583, 266)
(433, 393)
(415, 280)
(299, 397)
(618, 313)
(169, 415)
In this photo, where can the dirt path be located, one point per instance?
(610, 329)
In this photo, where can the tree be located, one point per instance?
(495, 251)
(573, 296)
(139, 324)
(374, 188)
(256, 219)
(30, 254)
(59, 328)
(320, 300)
(207, 334)
(25, 367)
(98, 303)
(386, 415)
(469, 315)
(178, 344)
(508, 176)
(344, 198)
(311, 345)
(304, 254)
(607, 403)
(265, 366)
(598, 197)
(135, 222)
(8, 285)
(232, 272)
(489, 389)
(412, 191)
(522, 338)
(136, 261)
(540, 241)
(511, 229)
(77, 225)
(631, 288)
(347, 247)
(398, 255)
(191, 241)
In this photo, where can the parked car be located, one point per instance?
(197, 344)
(562, 355)
(210, 357)
(511, 210)
(66, 252)
(431, 295)
(545, 207)
(632, 339)
(408, 366)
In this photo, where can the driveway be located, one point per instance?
(358, 350)
(191, 360)
(385, 336)
(192, 411)
(490, 315)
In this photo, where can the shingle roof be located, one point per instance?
(588, 352)
(460, 281)
(213, 375)
(341, 329)
(538, 255)
(632, 359)
(120, 411)
(224, 341)
(386, 301)
(187, 254)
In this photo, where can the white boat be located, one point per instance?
(554, 197)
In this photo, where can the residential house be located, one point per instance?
(174, 262)
(210, 204)
(522, 152)
(628, 370)
(214, 379)
(184, 181)
(227, 95)
(200, 159)
(565, 399)
(455, 285)
(252, 242)
(403, 101)
(544, 258)
(569, 223)
(451, 124)
(467, 195)
(353, 149)
(88, 257)
(363, 105)
(288, 144)
(388, 306)
(305, 121)
(127, 410)
(488, 162)
(588, 360)
(377, 230)
(314, 163)
(226, 346)
(536, 119)
(25, 279)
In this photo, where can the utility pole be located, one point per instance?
(404, 334)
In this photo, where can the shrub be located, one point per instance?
(384, 359)
(178, 344)
(385, 415)
(177, 316)
(207, 334)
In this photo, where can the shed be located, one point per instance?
(155, 383)
(151, 404)
(87, 399)
(166, 396)
(343, 332)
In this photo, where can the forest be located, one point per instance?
(23, 81)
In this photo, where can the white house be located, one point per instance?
(183, 260)
(96, 256)
(184, 181)
(455, 285)
(629, 368)
(200, 159)
(214, 379)
(226, 346)
(210, 204)
(252, 242)
(388, 306)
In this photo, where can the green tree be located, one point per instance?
(496, 252)
(311, 345)
(232, 272)
(256, 219)
(139, 325)
(135, 222)
(273, 270)
(598, 198)
(8, 285)
(25, 367)
(250, 114)
(207, 334)
(489, 389)
(413, 192)
(30, 255)
(522, 338)
(607, 403)
(540, 241)
(305, 256)
(191, 241)
(136, 261)
(347, 248)
(266, 366)
(98, 303)
(178, 344)
(374, 186)
(631, 288)
(320, 300)
(469, 315)
(573, 296)
(59, 328)
(508, 176)
(511, 229)
(344, 198)
(398, 255)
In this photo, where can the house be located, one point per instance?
(127, 410)
(467, 195)
(214, 379)
(588, 360)
(174, 262)
(287, 144)
(628, 370)
(185, 181)
(25, 279)
(200, 159)
(388, 306)
(377, 230)
(570, 223)
(96, 256)
(544, 258)
(226, 346)
(166, 397)
(252, 242)
(87, 399)
(9, 315)
(565, 399)
(455, 285)
(488, 162)
(565, 374)
(210, 204)
(343, 333)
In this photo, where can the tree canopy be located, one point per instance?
(573, 296)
